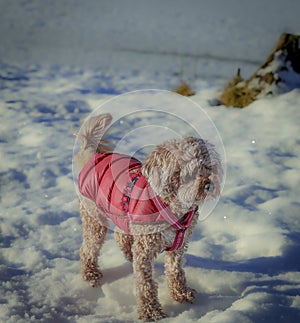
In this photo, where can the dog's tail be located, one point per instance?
(90, 138)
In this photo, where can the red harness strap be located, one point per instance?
(179, 238)
(180, 226)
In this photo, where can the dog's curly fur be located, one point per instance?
(180, 171)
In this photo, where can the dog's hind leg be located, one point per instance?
(125, 243)
(93, 237)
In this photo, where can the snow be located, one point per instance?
(61, 61)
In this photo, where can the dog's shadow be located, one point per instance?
(113, 274)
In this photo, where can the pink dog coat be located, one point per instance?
(115, 183)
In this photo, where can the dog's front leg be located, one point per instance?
(175, 277)
(144, 253)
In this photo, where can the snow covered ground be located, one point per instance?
(58, 62)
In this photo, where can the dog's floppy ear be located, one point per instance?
(154, 178)
(159, 169)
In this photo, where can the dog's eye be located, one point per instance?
(209, 187)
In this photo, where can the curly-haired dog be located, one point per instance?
(153, 205)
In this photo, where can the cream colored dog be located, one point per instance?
(153, 205)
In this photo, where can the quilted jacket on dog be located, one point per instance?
(114, 181)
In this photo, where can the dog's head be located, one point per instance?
(184, 171)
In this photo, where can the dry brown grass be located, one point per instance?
(240, 93)
(184, 89)
(237, 93)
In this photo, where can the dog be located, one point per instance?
(153, 205)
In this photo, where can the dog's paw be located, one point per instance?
(188, 295)
(92, 277)
(152, 316)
